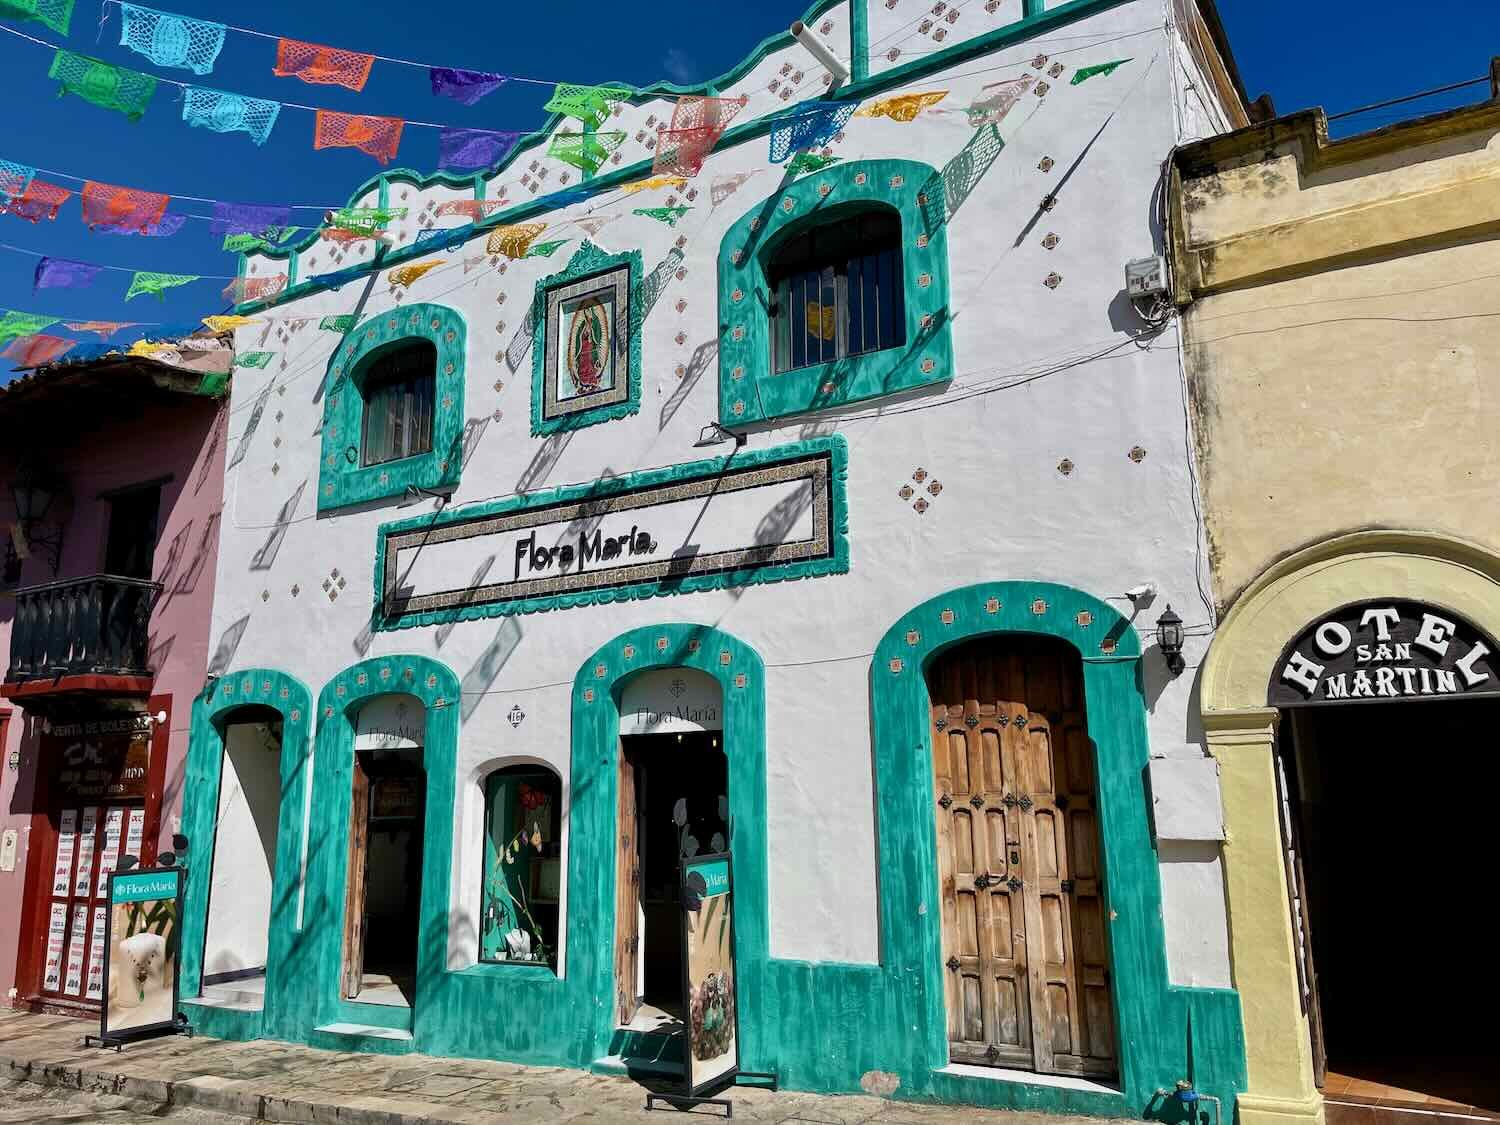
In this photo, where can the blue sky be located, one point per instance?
(1332, 53)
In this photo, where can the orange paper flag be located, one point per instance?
(325, 66)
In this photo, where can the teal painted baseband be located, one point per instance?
(224, 1023)
(364, 1044)
(821, 1027)
(749, 391)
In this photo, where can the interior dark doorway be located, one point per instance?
(1391, 1026)
(681, 784)
(385, 876)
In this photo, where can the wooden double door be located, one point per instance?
(1026, 960)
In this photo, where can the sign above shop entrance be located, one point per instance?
(671, 701)
(1386, 650)
(753, 517)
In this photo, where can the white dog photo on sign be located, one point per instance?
(140, 982)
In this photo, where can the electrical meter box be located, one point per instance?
(1146, 277)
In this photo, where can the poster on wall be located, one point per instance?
(114, 820)
(73, 980)
(57, 927)
(140, 954)
(95, 978)
(67, 836)
(87, 830)
(709, 987)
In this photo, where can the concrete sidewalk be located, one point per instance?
(273, 1081)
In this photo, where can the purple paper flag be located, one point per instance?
(169, 225)
(466, 86)
(467, 150)
(248, 218)
(54, 273)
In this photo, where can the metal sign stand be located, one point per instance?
(178, 1024)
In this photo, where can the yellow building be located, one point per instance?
(1342, 332)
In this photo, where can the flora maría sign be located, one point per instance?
(711, 998)
(1386, 650)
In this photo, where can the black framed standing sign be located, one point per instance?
(710, 986)
(141, 962)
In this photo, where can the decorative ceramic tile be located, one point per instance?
(1052, 280)
(992, 605)
(1065, 467)
(1050, 241)
(334, 584)
(947, 617)
(516, 715)
(1046, 164)
(1136, 454)
(1084, 619)
(1038, 607)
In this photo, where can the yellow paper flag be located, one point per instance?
(903, 107)
(678, 182)
(821, 321)
(514, 240)
(407, 274)
(152, 348)
(219, 324)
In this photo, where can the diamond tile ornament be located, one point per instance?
(992, 605)
(1046, 164)
(516, 715)
(334, 584)
(1038, 607)
(1050, 241)
(1052, 280)
(1136, 454)
(1065, 467)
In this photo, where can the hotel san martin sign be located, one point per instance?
(753, 517)
(1384, 650)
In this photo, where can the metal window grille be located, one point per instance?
(398, 393)
(836, 291)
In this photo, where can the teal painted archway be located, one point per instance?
(212, 711)
(1164, 1032)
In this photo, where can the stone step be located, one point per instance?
(227, 996)
(363, 1037)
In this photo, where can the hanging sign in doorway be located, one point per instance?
(1386, 650)
(710, 990)
(671, 701)
(140, 954)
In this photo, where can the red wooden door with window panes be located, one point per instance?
(1025, 957)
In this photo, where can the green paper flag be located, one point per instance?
(1084, 73)
(14, 324)
(668, 215)
(589, 104)
(253, 359)
(213, 384)
(810, 162)
(343, 323)
(244, 243)
(545, 249)
(56, 14)
(112, 87)
(155, 283)
(365, 220)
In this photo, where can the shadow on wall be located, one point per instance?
(229, 643)
(23, 794)
(215, 439)
(703, 356)
(470, 590)
(481, 675)
(242, 447)
(266, 556)
(187, 580)
(545, 459)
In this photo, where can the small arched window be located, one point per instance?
(398, 387)
(836, 290)
(519, 915)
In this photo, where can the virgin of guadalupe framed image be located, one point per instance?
(586, 345)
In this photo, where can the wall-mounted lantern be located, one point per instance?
(1169, 636)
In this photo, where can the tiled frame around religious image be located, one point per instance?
(589, 270)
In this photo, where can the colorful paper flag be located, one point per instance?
(148, 281)
(589, 104)
(678, 182)
(902, 107)
(991, 110)
(805, 162)
(253, 359)
(668, 215)
(248, 218)
(405, 275)
(585, 151)
(324, 66)
(466, 86)
(243, 289)
(102, 328)
(344, 323)
(59, 273)
(546, 249)
(378, 136)
(813, 127)
(697, 124)
(14, 179)
(13, 324)
(467, 150)
(105, 205)
(1084, 73)
(725, 186)
(111, 87)
(229, 113)
(169, 225)
(37, 350)
(39, 201)
(169, 40)
(513, 240)
(55, 14)
(227, 323)
(475, 209)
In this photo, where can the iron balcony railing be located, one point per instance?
(82, 626)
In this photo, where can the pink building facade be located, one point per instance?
(113, 494)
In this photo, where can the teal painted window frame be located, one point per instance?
(749, 391)
(1157, 1024)
(587, 261)
(285, 960)
(837, 563)
(342, 480)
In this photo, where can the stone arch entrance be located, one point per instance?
(1242, 733)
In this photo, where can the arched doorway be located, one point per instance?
(242, 881)
(1320, 734)
(1019, 861)
(387, 822)
(673, 804)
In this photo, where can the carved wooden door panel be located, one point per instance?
(627, 894)
(1024, 948)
